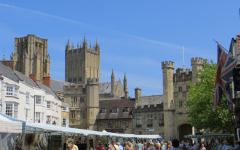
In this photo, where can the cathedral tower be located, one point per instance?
(82, 63)
(31, 56)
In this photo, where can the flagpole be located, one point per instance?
(221, 45)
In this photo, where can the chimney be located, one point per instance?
(33, 77)
(137, 93)
(46, 81)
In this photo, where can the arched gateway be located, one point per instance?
(184, 129)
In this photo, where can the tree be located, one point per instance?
(202, 114)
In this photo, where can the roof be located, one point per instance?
(154, 99)
(238, 40)
(6, 71)
(58, 85)
(26, 79)
(120, 104)
(105, 87)
(47, 89)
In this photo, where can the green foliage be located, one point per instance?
(200, 104)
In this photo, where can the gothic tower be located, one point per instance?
(169, 125)
(31, 56)
(82, 63)
(197, 64)
(112, 83)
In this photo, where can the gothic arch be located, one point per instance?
(184, 129)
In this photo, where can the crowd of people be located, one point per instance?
(170, 145)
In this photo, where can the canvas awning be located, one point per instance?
(11, 125)
(46, 128)
(210, 136)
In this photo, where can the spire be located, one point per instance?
(113, 74)
(78, 45)
(85, 43)
(68, 45)
(125, 83)
(73, 45)
(3, 57)
(97, 48)
(90, 45)
(68, 42)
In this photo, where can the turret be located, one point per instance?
(73, 46)
(125, 83)
(168, 71)
(68, 45)
(97, 47)
(112, 83)
(197, 64)
(78, 45)
(85, 43)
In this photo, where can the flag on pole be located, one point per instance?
(226, 63)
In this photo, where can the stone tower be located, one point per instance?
(82, 63)
(125, 86)
(112, 83)
(169, 124)
(197, 64)
(31, 56)
(92, 102)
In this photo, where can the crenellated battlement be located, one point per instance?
(197, 61)
(182, 76)
(93, 81)
(168, 64)
(74, 88)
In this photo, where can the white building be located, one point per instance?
(23, 98)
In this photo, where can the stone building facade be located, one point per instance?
(82, 62)
(115, 115)
(173, 101)
(31, 56)
(84, 104)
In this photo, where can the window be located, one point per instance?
(82, 99)
(72, 114)
(48, 104)
(27, 97)
(101, 124)
(161, 120)
(64, 121)
(180, 103)
(52, 104)
(12, 109)
(179, 89)
(16, 91)
(48, 121)
(9, 91)
(110, 124)
(65, 108)
(139, 120)
(43, 100)
(38, 99)
(125, 124)
(126, 109)
(42, 117)
(149, 120)
(37, 117)
(75, 99)
(56, 107)
(114, 110)
(118, 125)
(188, 87)
(27, 111)
(84, 116)
(103, 110)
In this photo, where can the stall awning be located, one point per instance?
(11, 125)
(40, 128)
(210, 136)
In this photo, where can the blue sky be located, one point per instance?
(134, 36)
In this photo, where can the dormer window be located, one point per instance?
(103, 110)
(126, 109)
(114, 110)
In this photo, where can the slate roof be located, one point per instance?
(121, 104)
(47, 89)
(238, 40)
(26, 79)
(58, 85)
(105, 87)
(6, 71)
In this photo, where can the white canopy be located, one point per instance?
(39, 128)
(11, 125)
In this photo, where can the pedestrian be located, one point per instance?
(220, 146)
(158, 146)
(164, 146)
(107, 146)
(140, 145)
(237, 147)
(114, 145)
(151, 147)
(145, 146)
(70, 145)
(175, 144)
(130, 146)
(202, 148)
(225, 144)
(120, 146)
(99, 147)
(230, 146)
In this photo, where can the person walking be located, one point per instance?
(158, 146)
(140, 146)
(107, 146)
(175, 144)
(100, 147)
(237, 147)
(202, 148)
(230, 146)
(70, 145)
(225, 144)
(151, 147)
(120, 146)
(164, 146)
(114, 145)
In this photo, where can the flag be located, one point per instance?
(226, 63)
(228, 94)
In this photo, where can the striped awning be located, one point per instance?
(210, 136)
(11, 125)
